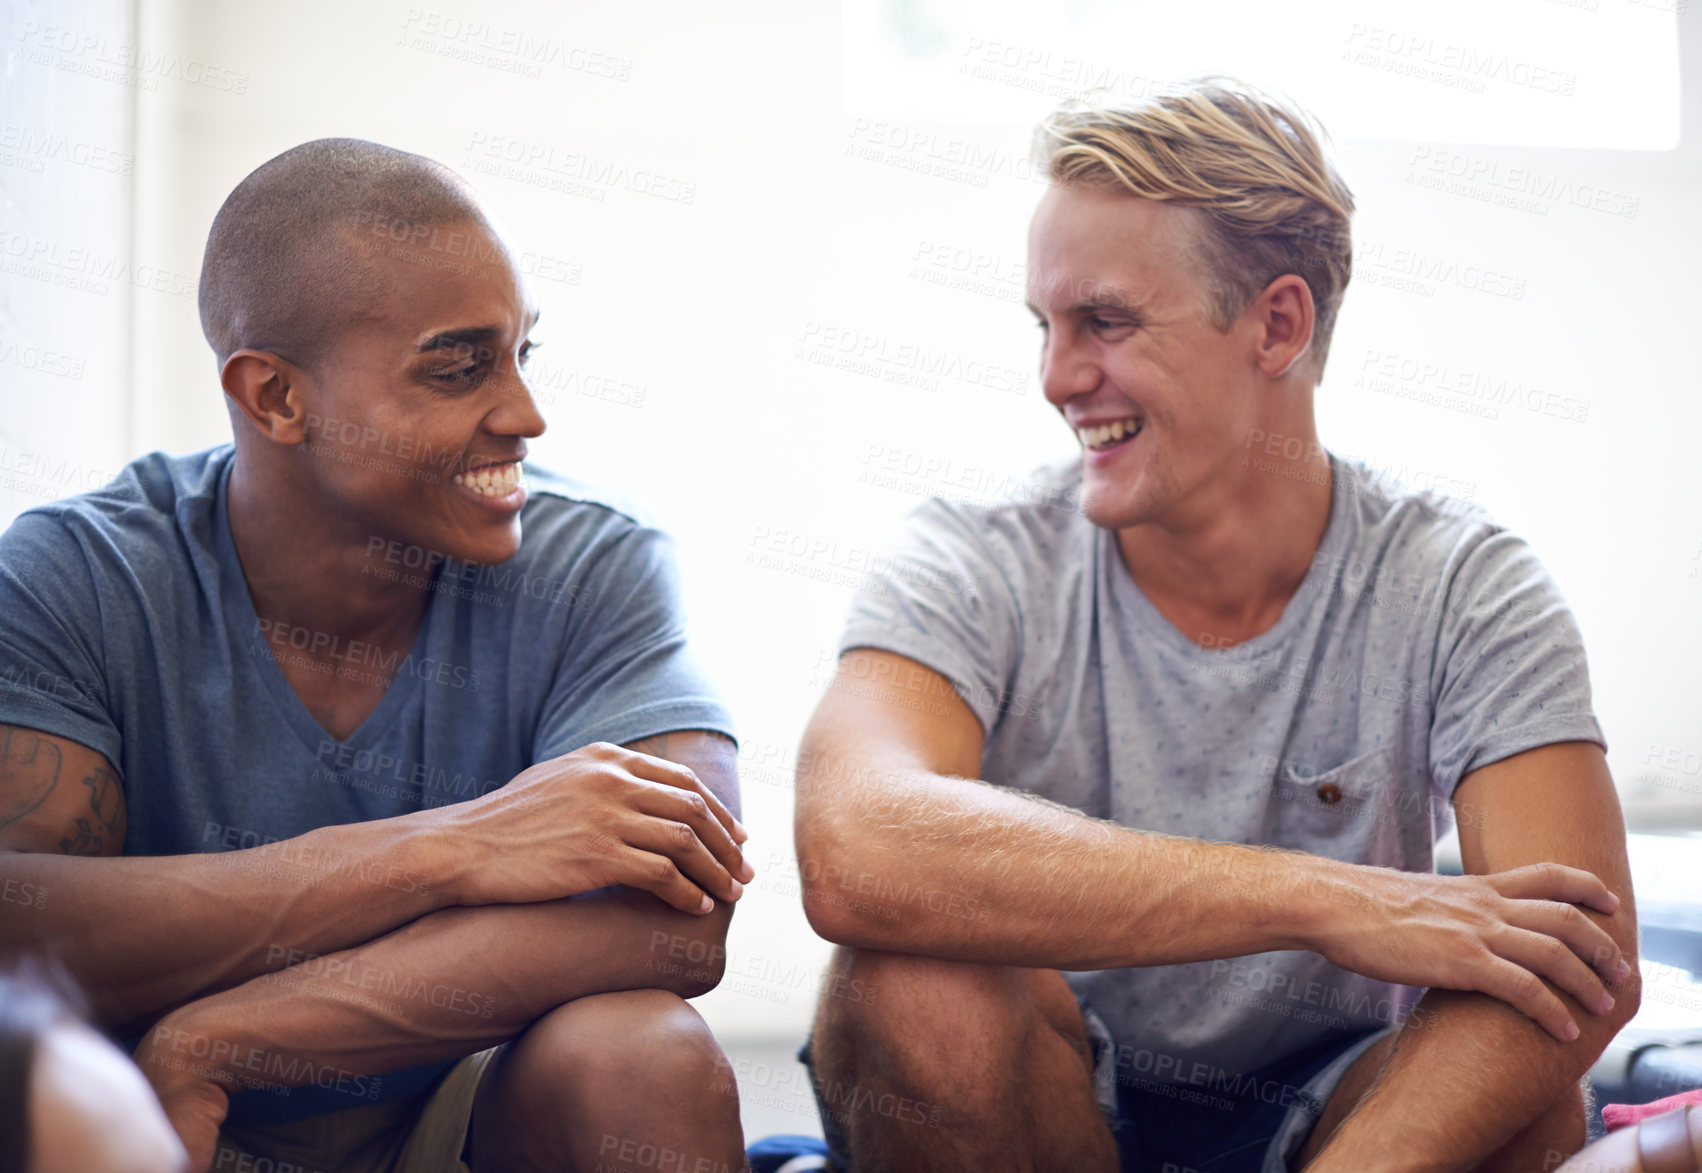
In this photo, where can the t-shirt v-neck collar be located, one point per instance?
(243, 621)
(1134, 602)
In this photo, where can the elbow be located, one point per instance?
(830, 919)
(698, 983)
(841, 900)
(1628, 995)
(689, 958)
(1627, 998)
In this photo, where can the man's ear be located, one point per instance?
(1287, 317)
(268, 390)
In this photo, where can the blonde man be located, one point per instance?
(1133, 833)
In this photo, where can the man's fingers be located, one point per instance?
(1553, 881)
(693, 809)
(679, 842)
(1581, 935)
(1549, 957)
(680, 777)
(1522, 990)
(657, 874)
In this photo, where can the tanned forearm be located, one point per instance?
(912, 861)
(1467, 1074)
(901, 849)
(449, 984)
(445, 986)
(147, 934)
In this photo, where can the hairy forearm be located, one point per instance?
(953, 867)
(1468, 1073)
(1478, 1074)
(146, 934)
(445, 986)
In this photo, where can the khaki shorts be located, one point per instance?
(419, 1135)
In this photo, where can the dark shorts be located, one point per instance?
(1247, 1122)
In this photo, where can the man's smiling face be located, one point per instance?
(419, 415)
(1161, 400)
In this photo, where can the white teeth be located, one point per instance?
(1106, 434)
(493, 480)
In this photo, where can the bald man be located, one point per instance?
(359, 769)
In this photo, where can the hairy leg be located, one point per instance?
(953, 1065)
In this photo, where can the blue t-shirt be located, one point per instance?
(126, 625)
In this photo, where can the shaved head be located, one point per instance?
(291, 259)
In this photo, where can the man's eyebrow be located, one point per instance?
(466, 336)
(1100, 299)
(472, 335)
(1110, 299)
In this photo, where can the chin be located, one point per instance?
(484, 549)
(491, 551)
(1115, 506)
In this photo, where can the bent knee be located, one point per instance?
(917, 1012)
(869, 985)
(646, 1038)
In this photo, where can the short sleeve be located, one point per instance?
(936, 595)
(627, 671)
(51, 676)
(1510, 666)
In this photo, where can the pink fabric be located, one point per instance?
(1617, 1116)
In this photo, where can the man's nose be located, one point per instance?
(1065, 370)
(516, 412)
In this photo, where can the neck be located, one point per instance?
(1225, 574)
(307, 568)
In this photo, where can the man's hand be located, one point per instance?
(595, 817)
(1498, 934)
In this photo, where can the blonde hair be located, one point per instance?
(1253, 166)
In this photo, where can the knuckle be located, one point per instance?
(662, 871)
(683, 835)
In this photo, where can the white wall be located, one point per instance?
(67, 278)
(833, 175)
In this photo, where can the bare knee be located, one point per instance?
(937, 1028)
(942, 1064)
(649, 1043)
(899, 1002)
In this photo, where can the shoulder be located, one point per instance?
(554, 494)
(564, 515)
(1029, 524)
(586, 541)
(1409, 519)
(136, 518)
(1428, 543)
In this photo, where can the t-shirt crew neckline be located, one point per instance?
(1154, 623)
(240, 614)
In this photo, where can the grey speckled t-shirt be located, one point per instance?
(1424, 642)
